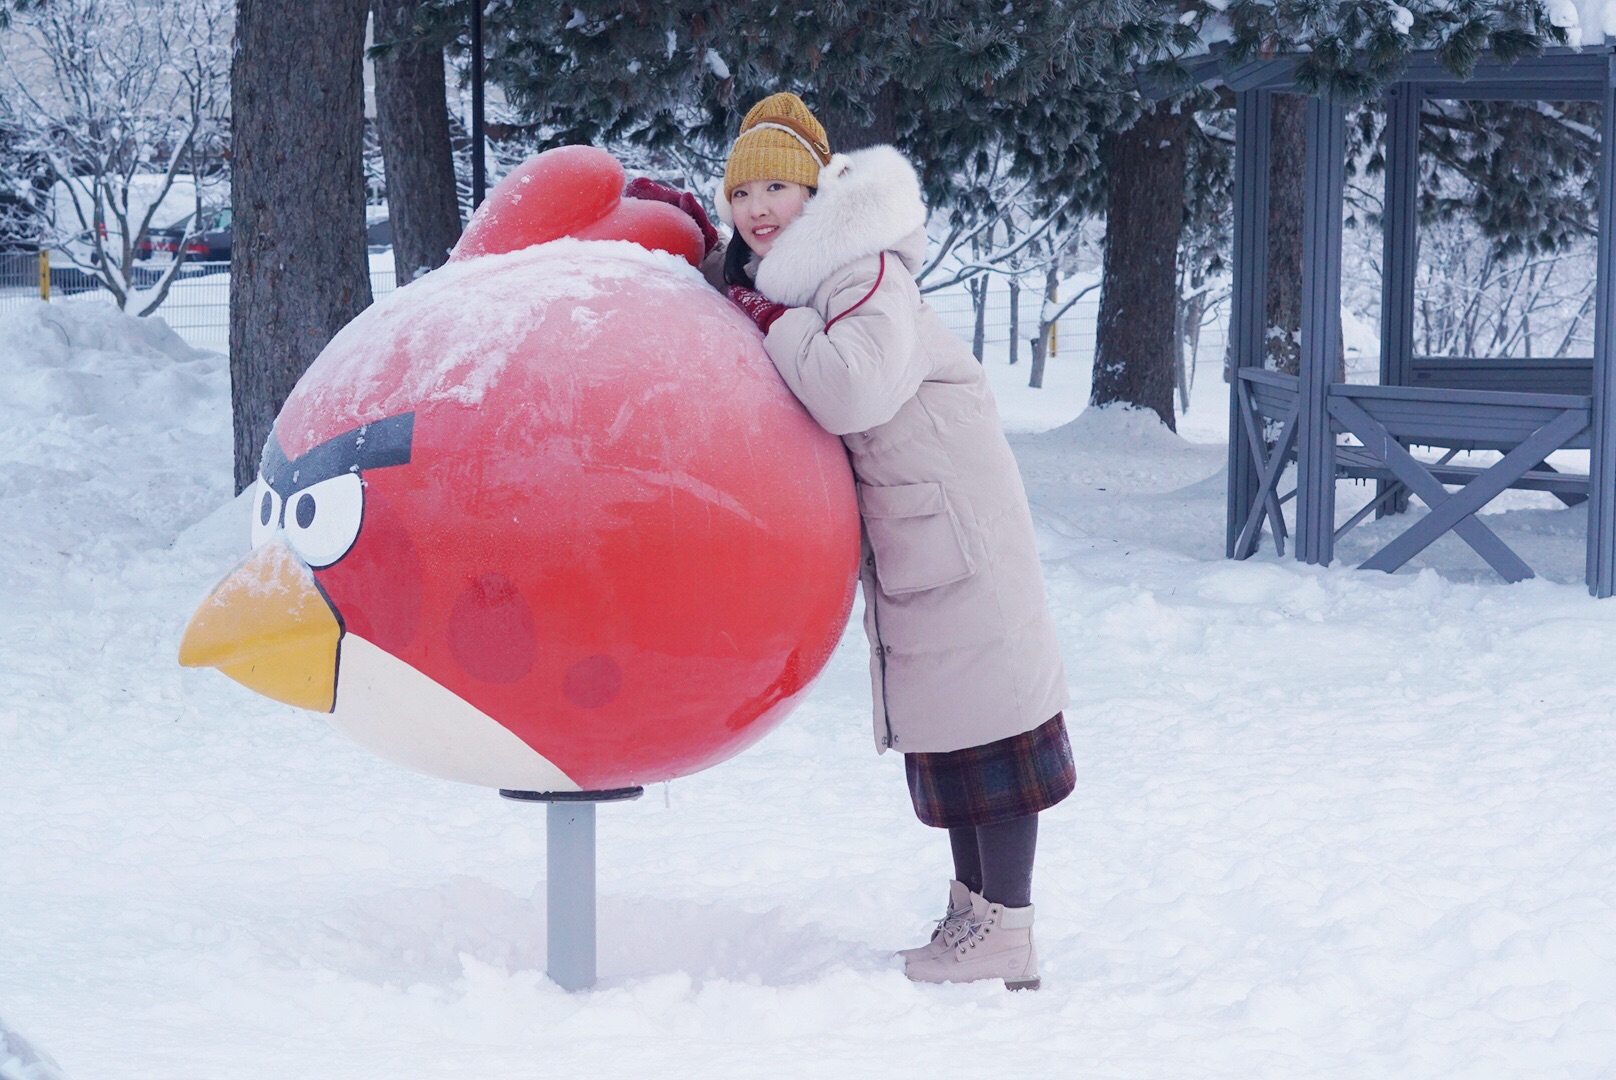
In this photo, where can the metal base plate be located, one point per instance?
(623, 794)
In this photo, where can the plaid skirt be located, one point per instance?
(994, 782)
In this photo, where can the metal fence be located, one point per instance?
(19, 277)
(198, 305)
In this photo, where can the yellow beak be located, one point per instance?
(268, 626)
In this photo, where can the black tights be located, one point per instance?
(996, 860)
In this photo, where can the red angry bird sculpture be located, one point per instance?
(545, 519)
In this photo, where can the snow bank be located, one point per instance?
(1116, 429)
(55, 333)
(19, 1060)
(1110, 452)
(114, 436)
(91, 362)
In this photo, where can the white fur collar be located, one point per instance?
(867, 202)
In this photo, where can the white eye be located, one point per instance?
(266, 512)
(323, 519)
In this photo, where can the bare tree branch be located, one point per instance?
(114, 96)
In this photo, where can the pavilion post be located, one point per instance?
(1601, 571)
(1253, 133)
(1399, 252)
(1321, 327)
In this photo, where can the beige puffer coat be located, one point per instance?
(963, 648)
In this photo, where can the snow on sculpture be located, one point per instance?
(545, 519)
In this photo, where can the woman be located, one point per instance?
(966, 672)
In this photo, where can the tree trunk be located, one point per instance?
(1133, 351)
(1015, 294)
(1283, 304)
(848, 131)
(979, 299)
(1015, 319)
(298, 270)
(1194, 312)
(1188, 343)
(1180, 376)
(412, 121)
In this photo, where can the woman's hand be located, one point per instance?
(759, 308)
(643, 187)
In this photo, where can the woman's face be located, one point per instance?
(762, 208)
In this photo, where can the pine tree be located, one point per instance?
(942, 81)
(1526, 171)
(971, 92)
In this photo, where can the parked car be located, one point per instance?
(213, 245)
(69, 209)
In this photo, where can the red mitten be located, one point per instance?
(643, 187)
(759, 308)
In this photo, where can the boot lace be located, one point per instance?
(955, 926)
(973, 931)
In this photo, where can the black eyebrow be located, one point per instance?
(369, 446)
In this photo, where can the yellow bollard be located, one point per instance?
(1054, 328)
(44, 274)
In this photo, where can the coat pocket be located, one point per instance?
(916, 537)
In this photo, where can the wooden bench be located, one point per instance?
(1527, 427)
(1557, 375)
(1386, 420)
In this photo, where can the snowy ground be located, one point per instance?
(1328, 824)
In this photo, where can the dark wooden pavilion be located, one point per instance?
(1524, 408)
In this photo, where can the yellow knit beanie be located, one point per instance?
(779, 140)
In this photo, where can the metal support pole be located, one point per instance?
(570, 895)
(569, 884)
(479, 172)
(1248, 317)
(1321, 328)
(44, 273)
(1601, 569)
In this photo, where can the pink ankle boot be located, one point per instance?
(997, 944)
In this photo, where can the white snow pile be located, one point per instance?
(19, 1060)
(1115, 449)
(111, 431)
(89, 360)
(1328, 823)
(1116, 429)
